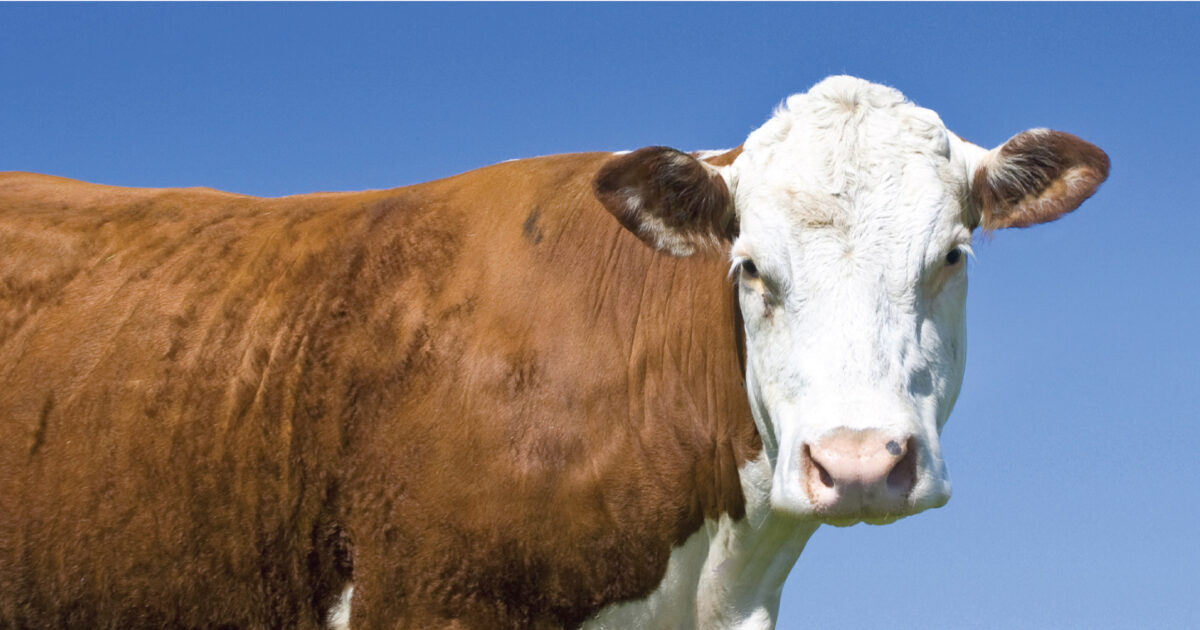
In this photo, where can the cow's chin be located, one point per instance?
(794, 502)
(804, 511)
(926, 501)
(847, 521)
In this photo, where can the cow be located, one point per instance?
(589, 391)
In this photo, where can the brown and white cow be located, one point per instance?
(528, 396)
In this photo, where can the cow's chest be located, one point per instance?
(673, 603)
(728, 575)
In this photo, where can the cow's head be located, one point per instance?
(848, 219)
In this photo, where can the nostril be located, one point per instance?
(901, 479)
(826, 480)
(814, 466)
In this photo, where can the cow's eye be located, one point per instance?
(954, 256)
(750, 269)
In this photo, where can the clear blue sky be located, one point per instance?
(1075, 447)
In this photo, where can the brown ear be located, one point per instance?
(1037, 176)
(669, 199)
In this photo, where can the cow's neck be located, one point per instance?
(750, 559)
(675, 457)
(730, 570)
(747, 560)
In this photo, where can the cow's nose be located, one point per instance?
(854, 473)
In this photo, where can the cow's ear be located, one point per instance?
(672, 201)
(1037, 176)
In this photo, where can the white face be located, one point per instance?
(851, 262)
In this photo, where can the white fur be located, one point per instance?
(709, 153)
(339, 616)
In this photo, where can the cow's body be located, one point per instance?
(207, 394)
(511, 398)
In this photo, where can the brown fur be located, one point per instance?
(479, 399)
(1036, 177)
(726, 158)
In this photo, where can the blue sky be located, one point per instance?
(1075, 446)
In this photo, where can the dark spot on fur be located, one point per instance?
(522, 373)
(921, 383)
(530, 228)
(39, 435)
